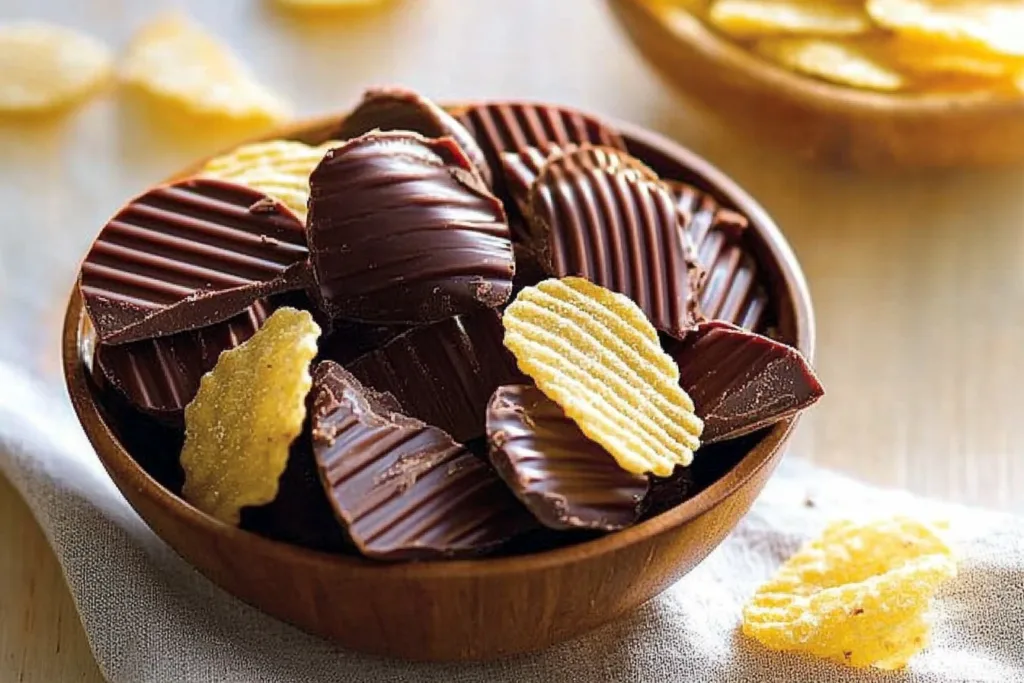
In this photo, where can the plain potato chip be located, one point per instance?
(279, 168)
(756, 18)
(246, 414)
(995, 26)
(595, 354)
(858, 594)
(329, 5)
(845, 63)
(178, 62)
(924, 58)
(46, 67)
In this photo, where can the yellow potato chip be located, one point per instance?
(755, 18)
(246, 414)
(995, 26)
(329, 5)
(845, 63)
(857, 595)
(926, 59)
(45, 67)
(594, 353)
(279, 168)
(178, 62)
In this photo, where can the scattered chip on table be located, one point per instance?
(858, 595)
(176, 61)
(45, 67)
(247, 412)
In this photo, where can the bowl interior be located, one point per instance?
(127, 450)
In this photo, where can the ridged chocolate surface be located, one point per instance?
(566, 480)
(740, 381)
(403, 109)
(613, 225)
(515, 126)
(443, 374)
(402, 489)
(160, 376)
(732, 288)
(402, 230)
(189, 255)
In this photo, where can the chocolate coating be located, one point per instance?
(667, 492)
(741, 381)
(189, 255)
(444, 374)
(404, 490)
(403, 231)
(599, 216)
(398, 108)
(515, 126)
(732, 289)
(161, 376)
(566, 480)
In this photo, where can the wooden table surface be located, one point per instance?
(918, 278)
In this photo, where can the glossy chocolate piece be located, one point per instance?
(402, 230)
(732, 288)
(741, 382)
(161, 376)
(667, 492)
(516, 126)
(597, 215)
(404, 490)
(398, 108)
(566, 480)
(444, 374)
(189, 255)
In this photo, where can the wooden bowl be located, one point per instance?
(466, 609)
(815, 119)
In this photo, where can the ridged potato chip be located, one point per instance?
(178, 62)
(846, 63)
(279, 168)
(46, 67)
(859, 594)
(926, 60)
(246, 414)
(995, 26)
(756, 18)
(596, 355)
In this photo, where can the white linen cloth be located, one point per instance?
(151, 618)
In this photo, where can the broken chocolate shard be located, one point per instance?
(189, 255)
(403, 231)
(740, 381)
(566, 480)
(667, 492)
(516, 126)
(404, 490)
(403, 109)
(732, 289)
(596, 214)
(444, 374)
(161, 376)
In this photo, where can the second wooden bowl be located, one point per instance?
(468, 609)
(817, 120)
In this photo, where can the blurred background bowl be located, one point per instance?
(816, 120)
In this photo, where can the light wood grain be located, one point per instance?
(918, 279)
